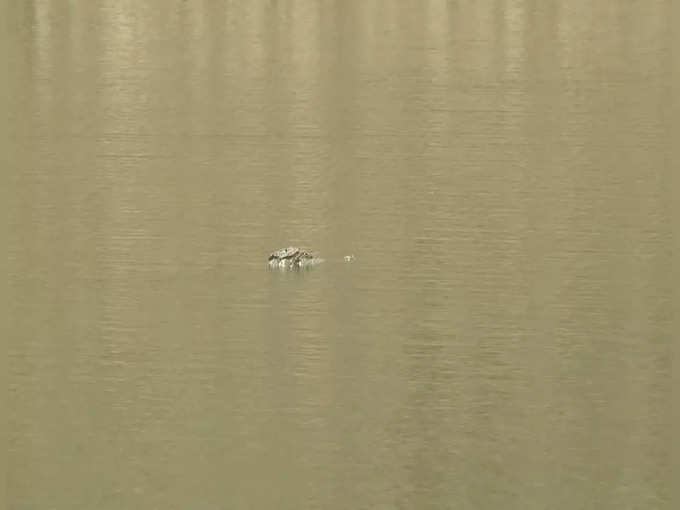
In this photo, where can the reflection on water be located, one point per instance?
(500, 170)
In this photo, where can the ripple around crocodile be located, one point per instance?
(293, 258)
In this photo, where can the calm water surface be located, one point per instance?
(500, 169)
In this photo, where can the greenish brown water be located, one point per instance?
(501, 170)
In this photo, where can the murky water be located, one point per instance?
(500, 170)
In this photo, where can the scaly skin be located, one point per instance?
(292, 257)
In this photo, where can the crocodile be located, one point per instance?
(293, 258)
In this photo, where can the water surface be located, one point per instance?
(500, 170)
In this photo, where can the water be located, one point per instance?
(500, 170)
